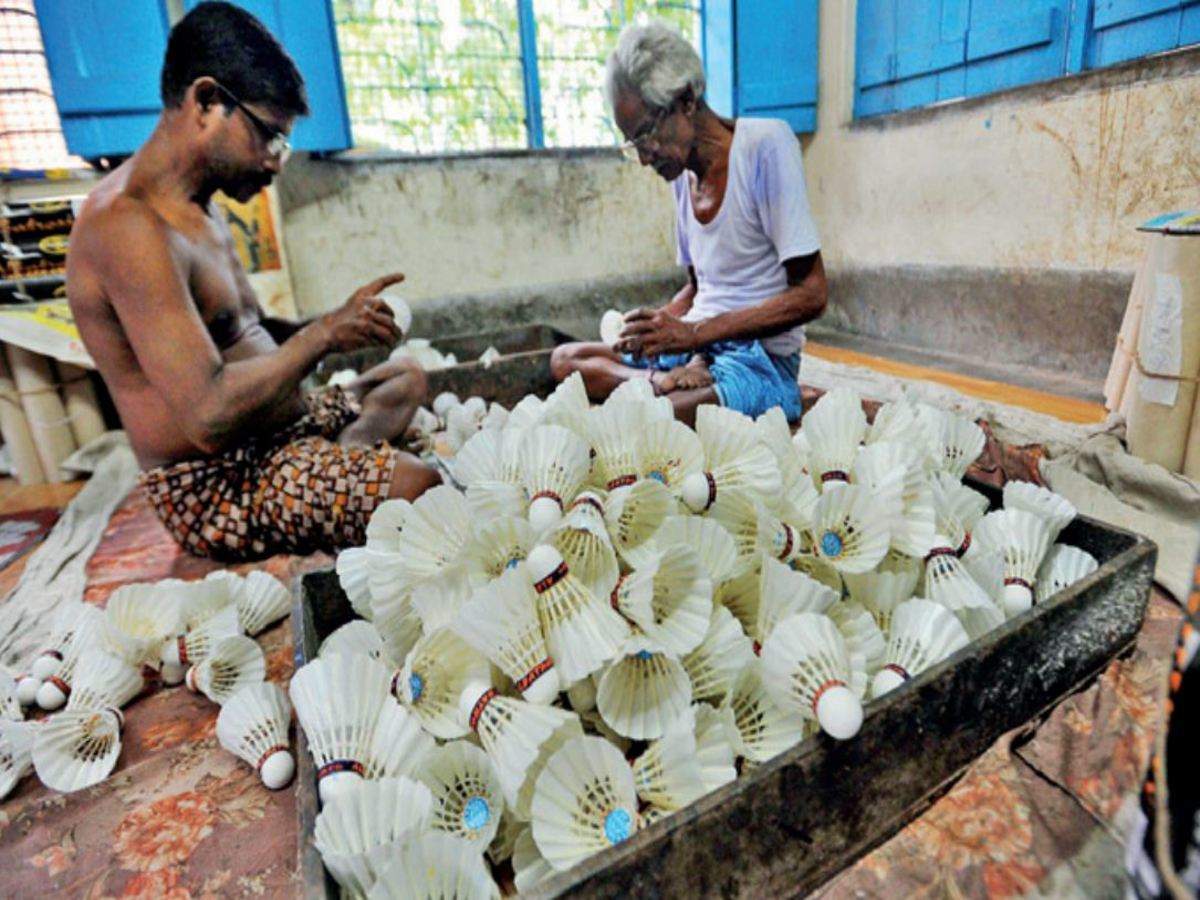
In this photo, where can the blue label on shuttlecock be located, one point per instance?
(416, 685)
(643, 655)
(831, 544)
(658, 476)
(512, 563)
(476, 814)
(617, 825)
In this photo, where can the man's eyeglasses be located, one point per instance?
(633, 148)
(276, 142)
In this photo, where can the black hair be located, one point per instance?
(227, 43)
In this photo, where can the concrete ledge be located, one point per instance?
(1059, 321)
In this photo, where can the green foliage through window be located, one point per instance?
(442, 76)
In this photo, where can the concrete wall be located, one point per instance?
(472, 225)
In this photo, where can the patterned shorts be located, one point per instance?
(297, 491)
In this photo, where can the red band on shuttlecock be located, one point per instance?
(940, 551)
(553, 496)
(712, 489)
(395, 678)
(524, 682)
(271, 751)
(834, 475)
(790, 543)
(588, 501)
(899, 670)
(116, 714)
(340, 765)
(480, 705)
(613, 598)
(53, 654)
(152, 677)
(831, 683)
(552, 579)
(964, 546)
(757, 648)
(1021, 581)
(60, 684)
(620, 482)
(181, 646)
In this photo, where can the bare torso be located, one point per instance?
(203, 252)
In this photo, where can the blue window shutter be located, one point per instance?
(875, 57)
(719, 73)
(1128, 29)
(931, 50)
(104, 61)
(775, 51)
(1010, 44)
(305, 28)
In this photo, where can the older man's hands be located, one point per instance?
(649, 332)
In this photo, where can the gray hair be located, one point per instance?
(654, 62)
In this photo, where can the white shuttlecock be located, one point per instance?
(611, 325)
(436, 532)
(892, 470)
(582, 540)
(898, 422)
(401, 312)
(735, 461)
(881, 590)
(669, 452)
(262, 599)
(253, 726)
(490, 456)
(501, 847)
(957, 441)
(923, 634)
(359, 833)
(16, 748)
(90, 634)
(806, 668)
(668, 773)
(77, 748)
(435, 864)
(10, 701)
(27, 688)
(529, 866)
(467, 798)
(582, 630)
(715, 664)
(568, 404)
(640, 392)
(437, 669)
(765, 729)
(948, 583)
(669, 599)
(707, 538)
(816, 567)
(798, 494)
(497, 546)
(718, 744)
(584, 802)
(337, 702)
(355, 637)
(353, 566)
(1062, 567)
(833, 430)
(517, 736)
(865, 640)
(195, 644)
(103, 679)
(233, 663)
(386, 525)
(399, 624)
(740, 596)
(1023, 538)
(436, 600)
(1054, 509)
(500, 621)
(139, 618)
(69, 616)
(785, 592)
(399, 745)
(614, 433)
(556, 463)
(847, 531)
(756, 532)
(443, 403)
(641, 694)
(634, 514)
(957, 509)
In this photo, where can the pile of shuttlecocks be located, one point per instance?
(99, 660)
(613, 614)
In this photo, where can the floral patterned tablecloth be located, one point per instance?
(181, 818)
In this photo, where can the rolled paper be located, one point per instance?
(14, 428)
(1122, 361)
(83, 408)
(44, 409)
(1167, 365)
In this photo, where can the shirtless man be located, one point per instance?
(237, 461)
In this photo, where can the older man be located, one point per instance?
(238, 462)
(733, 333)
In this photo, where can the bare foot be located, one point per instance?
(694, 375)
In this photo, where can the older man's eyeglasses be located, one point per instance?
(274, 140)
(632, 149)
